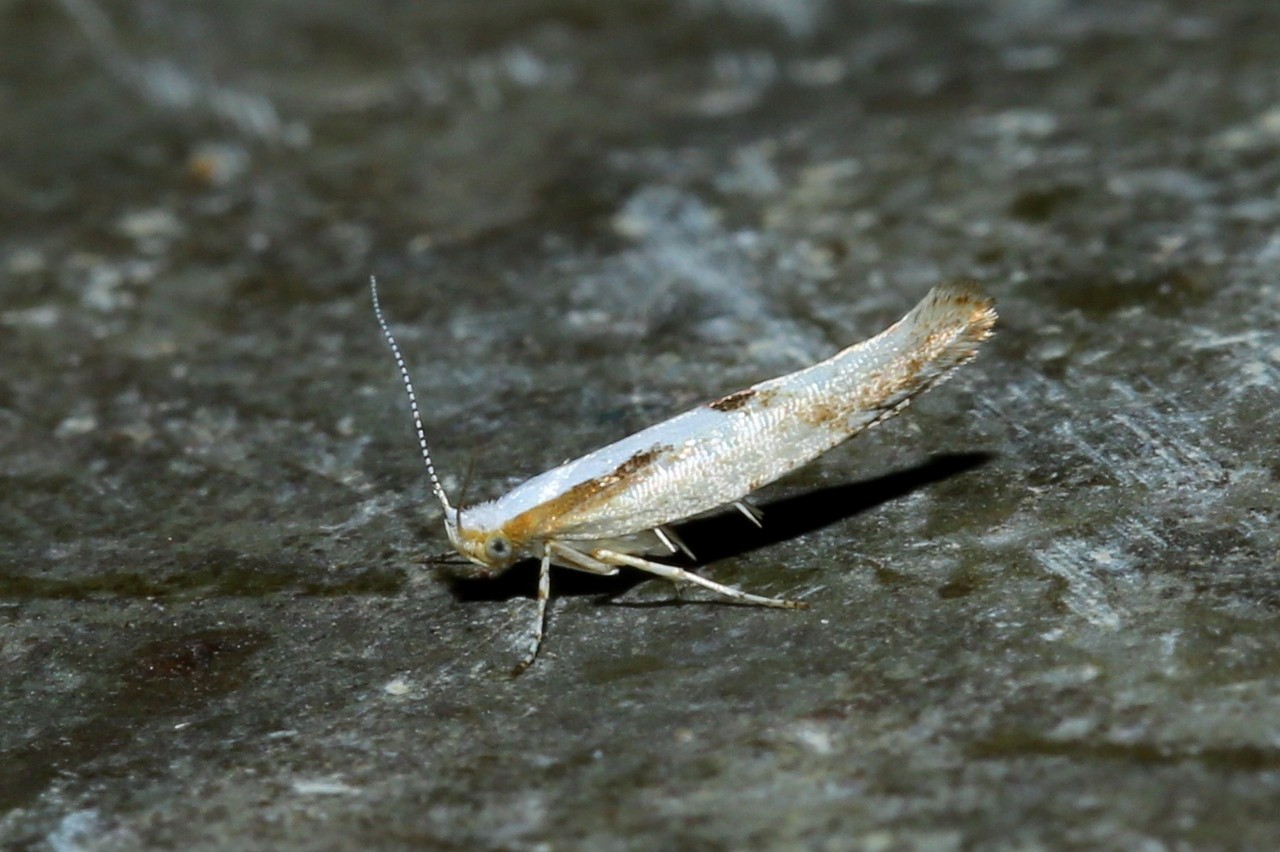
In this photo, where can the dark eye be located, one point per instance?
(497, 547)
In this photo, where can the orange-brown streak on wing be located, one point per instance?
(593, 492)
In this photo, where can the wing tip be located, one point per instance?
(963, 302)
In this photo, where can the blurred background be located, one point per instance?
(1044, 600)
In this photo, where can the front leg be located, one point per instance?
(540, 621)
(567, 557)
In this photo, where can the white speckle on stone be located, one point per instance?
(1103, 557)
(103, 288)
(1062, 676)
(25, 261)
(824, 71)
(1269, 254)
(1040, 57)
(80, 423)
(752, 172)
(812, 736)
(659, 210)
(1018, 123)
(396, 686)
(1086, 595)
(1051, 350)
(42, 316)
(1255, 373)
(1263, 129)
(154, 223)
(1208, 339)
(1177, 183)
(75, 832)
(524, 67)
(799, 18)
(877, 841)
(1071, 729)
(323, 787)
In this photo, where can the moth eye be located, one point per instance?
(497, 547)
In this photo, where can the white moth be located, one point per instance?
(611, 508)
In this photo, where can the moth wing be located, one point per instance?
(720, 452)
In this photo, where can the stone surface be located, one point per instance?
(1045, 601)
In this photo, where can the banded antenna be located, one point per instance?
(413, 399)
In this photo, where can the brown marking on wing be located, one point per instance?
(967, 293)
(902, 378)
(906, 376)
(834, 413)
(824, 413)
(636, 463)
(736, 401)
(527, 525)
(733, 401)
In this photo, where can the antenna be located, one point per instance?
(413, 399)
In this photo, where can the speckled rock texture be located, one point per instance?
(1045, 602)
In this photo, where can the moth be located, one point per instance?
(612, 508)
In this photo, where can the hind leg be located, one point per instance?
(679, 575)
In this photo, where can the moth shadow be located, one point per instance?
(727, 533)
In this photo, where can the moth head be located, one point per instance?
(484, 543)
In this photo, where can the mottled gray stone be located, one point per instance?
(1045, 601)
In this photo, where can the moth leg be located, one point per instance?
(569, 557)
(540, 623)
(753, 513)
(672, 541)
(680, 575)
